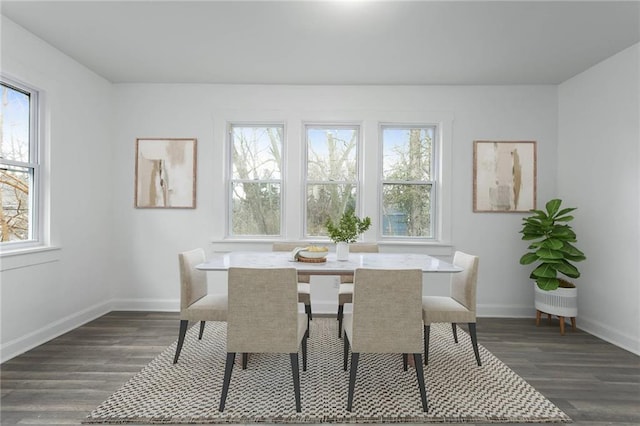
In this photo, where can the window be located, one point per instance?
(331, 175)
(408, 181)
(19, 169)
(256, 180)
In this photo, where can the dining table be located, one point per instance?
(329, 265)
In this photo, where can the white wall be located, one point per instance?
(111, 255)
(47, 293)
(148, 240)
(599, 172)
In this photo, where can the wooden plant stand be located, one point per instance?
(573, 321)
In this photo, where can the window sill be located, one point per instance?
(432, 248)
(29, 256)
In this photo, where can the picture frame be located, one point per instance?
(165, 175)
(504, 176)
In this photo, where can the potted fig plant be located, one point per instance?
(346, 231)
(553, 255)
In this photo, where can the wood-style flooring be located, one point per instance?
(60, 382)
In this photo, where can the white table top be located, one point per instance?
(224, 261)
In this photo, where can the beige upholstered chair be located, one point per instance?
(458, 307)
(304, 286)
(345, 291)
(386, 318)
(265, 317)
(195, 303)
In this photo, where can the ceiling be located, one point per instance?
(333, 42)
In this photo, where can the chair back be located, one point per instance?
(193, 282)
(302, 278)
(387, 311)
(263, 310)
(358, 248)
(463, 284)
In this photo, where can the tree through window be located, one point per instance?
(407, 181)
(331, 175)
(18, 163)
(256, 179)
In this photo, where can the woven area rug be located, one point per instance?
(458, 390)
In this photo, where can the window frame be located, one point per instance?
(36, 235)
(305, 170)
(435, 203)
(230, 180)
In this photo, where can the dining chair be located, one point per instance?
(386, 318)
(265, 317)
(458, 307)
(345, 290)
(304, 280)
(195, 302)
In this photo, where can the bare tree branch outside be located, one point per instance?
(16, 174)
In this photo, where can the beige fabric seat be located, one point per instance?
(265, 317)
(386, 318)
(195, 303)
(458, 307)
(345, 290)
(304, 280)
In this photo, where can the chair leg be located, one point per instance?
(417, 360)
(245, 359)
(474, 341)
(340, 315)
(201, 330)
(427, 330)
(304, 353)
(352, 379)
(405, 361)
(228, 368)
(307, 309)
(296, 379)
(345, 354)
(454, 327)
(183, 331)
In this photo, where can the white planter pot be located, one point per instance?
(342, 251)
(562, 302)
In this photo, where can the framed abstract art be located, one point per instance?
(165, 173)
(504, 176)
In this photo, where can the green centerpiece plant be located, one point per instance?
(551, 249)
(348, 228)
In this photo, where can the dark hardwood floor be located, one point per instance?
(60, 382)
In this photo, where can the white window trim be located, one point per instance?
(229, 178)
(435, 165)
(305, 162)
(39, 231)
(293, 158)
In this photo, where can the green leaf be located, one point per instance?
(552, 243)
(528, 258)
(548, 283)
(567, 269)
(565, 211)
(552, 206)
(545, 253)
(571, 250)
(564, 219)
(544, 271)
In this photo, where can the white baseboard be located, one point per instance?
(18, 346)
(608, 334)
(508, 311)
(159, 305)
(29, 341)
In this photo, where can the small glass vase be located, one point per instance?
(342, 251)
